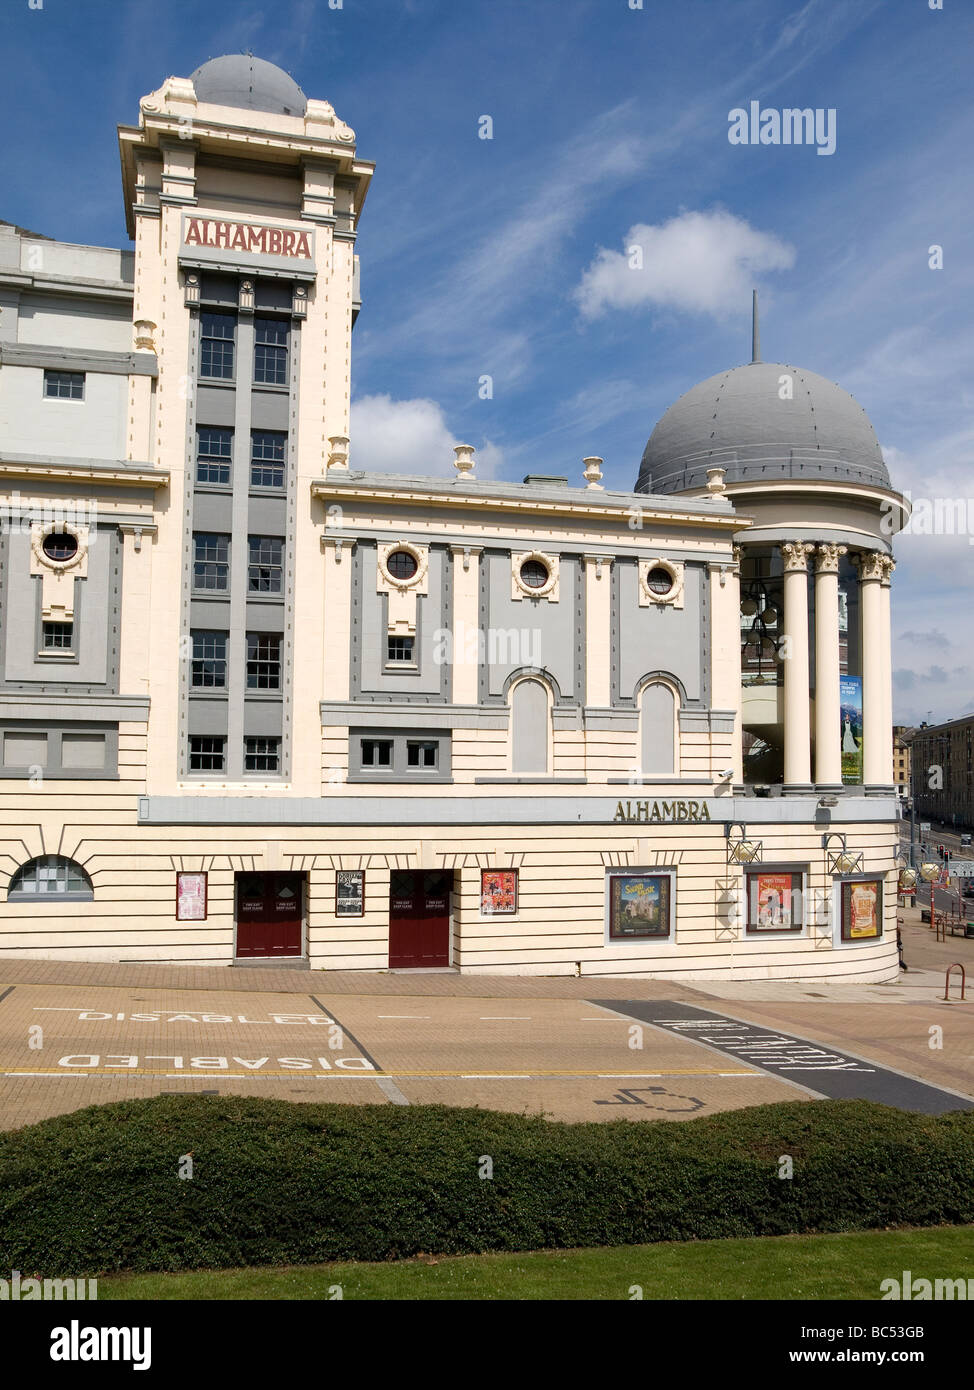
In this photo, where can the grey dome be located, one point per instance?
(240, 79)
(738, 421)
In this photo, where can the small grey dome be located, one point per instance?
(739, 421)
(240, 79)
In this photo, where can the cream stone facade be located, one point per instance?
(256, 703)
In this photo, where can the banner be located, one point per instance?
(850, 715)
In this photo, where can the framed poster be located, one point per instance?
(191, 897)
(350, 893)
(639, 906)
(498, 892)
(862, 910)
(774, 901)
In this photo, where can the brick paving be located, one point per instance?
(528, 1044)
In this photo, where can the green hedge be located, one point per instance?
(277, 1182)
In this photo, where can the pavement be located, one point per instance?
(593, 1048)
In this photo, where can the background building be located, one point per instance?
(902, 740)
(257, 703)
(943, 772)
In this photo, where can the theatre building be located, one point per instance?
(259, 704)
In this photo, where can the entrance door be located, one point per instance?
(419, 918)
(269, 914)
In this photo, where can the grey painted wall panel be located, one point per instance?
(529, 727)
(658, 637)
(656, 737)
(267, 516)
(373, 630)
(213, 511)
(215, 405)
(22, 600)
(270, 410)
(90, 428)
(207, 715)
(531, 632)
(265, 717)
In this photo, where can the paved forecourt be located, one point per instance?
(65, 1046)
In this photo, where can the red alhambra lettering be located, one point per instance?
(256, 236)
(274, 241)
(242, 236)
(289, 240)
(304, 245)
(239, 241)
(193, 237)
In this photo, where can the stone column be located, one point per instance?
(795, 661)
(877, 754)
(828, 740)
(884, 626)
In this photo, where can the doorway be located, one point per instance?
(419, 918)
(270, 914)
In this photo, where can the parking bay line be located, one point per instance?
(309, 1075)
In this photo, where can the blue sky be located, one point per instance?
(505, 256)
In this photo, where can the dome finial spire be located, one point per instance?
(755, 329)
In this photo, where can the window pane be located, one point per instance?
(49, 875)
(65, 386)
(400, 649)
(214, 451)
(266, 568)
(216, 345)
(211, 560)
(206, 753)
(263, 661)
(376, 752)
(209, 659)
(58, 636)
(262, 754)
(267, 458)
(270, 351)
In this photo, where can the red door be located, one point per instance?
(419, 918)
(269, 914)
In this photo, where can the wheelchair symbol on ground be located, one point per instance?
(631, 1095)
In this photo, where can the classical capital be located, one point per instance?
(827, 557)
(889, 565)
(795, 555)
(870, 564)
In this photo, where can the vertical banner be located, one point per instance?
(850, 715)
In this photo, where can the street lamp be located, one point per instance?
(930, 873)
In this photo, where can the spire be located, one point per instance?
(755, 329)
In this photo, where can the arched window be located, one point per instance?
(51, 876)
(656, 721)
(529, 728)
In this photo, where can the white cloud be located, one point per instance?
(705, 262)
(409, 436)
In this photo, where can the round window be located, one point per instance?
(534, 575)
(401, 564)
(659, 580)
(60, 545)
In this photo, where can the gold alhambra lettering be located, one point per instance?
(672, 812)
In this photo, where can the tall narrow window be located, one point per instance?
(657, 753)
(263, 661)
(214, 451)
(267, 455)
(217, 335)
(211, 560)
(270, 351)
(529, 728)
(265, 570)
(209, 660)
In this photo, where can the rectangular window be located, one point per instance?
(263, 661)
(377, 752)
(270, 351)
(774, 901)
(262, 754)
(421, 754)
(207, 753)
(211, 561)
(209, 660)
(265, 572)
(217, 335)
(64, 386)
(639, 906)
(58, 637)
(267, 458)
(400, 648)
(214, 452)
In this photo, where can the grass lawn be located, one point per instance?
(777, 1267)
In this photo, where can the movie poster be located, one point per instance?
(191, 897)
(862, 906)
(350, 893)
(774, 902)
(850, 716)
(639, 905)
(498, 892)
